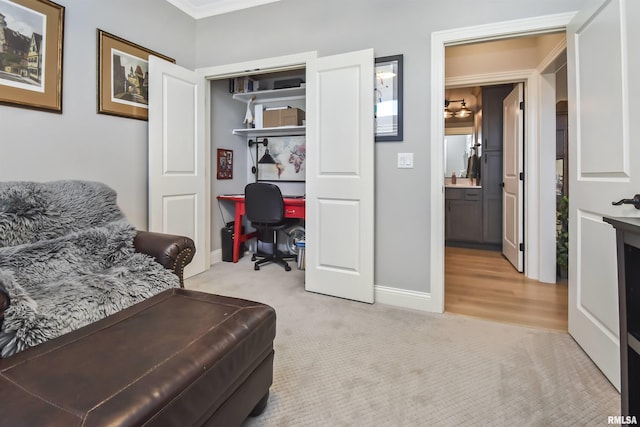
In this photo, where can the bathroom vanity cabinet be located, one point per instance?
(463, 215)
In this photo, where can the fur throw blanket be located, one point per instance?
(66, 260)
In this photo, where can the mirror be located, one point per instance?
(458, 143)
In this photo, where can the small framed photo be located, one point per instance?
(123, 77)
(388, 98)
(283, 159)
(31, 54)
(225, 164)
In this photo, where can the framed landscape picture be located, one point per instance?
(123, 77)
(31, 33)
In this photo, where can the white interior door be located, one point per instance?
(339, 186)
(603, 168)
(177, 181)
(512, 161)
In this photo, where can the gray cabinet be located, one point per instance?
(492, 197)
(492, 135)
(463, 215)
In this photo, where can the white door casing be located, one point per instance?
(601, 169)
(178, 197)
(512, 160)
(340, 178)
(485, 32)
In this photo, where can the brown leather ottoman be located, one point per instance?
(179, 358)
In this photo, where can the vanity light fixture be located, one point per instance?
(447, 113)
(462, 113)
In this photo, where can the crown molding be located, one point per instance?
(199, 9)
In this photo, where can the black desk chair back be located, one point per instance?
(265, 209)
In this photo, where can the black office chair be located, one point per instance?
(265, 209)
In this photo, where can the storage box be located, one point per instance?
(282, 117)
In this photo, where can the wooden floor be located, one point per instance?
(484, 284)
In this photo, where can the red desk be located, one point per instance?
(293, 208)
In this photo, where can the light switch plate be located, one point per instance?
(405, 160)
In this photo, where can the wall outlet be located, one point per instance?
(405, 160)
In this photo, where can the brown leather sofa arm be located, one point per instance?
(173, 252)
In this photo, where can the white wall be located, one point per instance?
(80, 144)
(402, 26)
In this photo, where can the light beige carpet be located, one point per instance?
(344, 363)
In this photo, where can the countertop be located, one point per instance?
(462, 186)
(460, 183)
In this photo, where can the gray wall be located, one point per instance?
(390, 27)
(80, 144)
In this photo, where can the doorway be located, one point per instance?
(540, 94)
(476, 213)
(480, 282)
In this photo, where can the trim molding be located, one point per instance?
(493, 78)
(198, 10)
(440, 39)
(550, 63)
(215, 257)
(404, 298)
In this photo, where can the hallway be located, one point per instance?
(484, 284)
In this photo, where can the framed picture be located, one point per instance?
(388, 98)
(31, 58)
(225, 164)
(283, 159)
(123, 77)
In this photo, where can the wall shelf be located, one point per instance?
(274, 95)
(275, 131)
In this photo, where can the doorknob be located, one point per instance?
(635, 202)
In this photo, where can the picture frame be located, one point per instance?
(31, 69)
(283, 159)
(388, 105)
(123, 69)
(224, 164)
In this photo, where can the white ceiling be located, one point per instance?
(203, 8)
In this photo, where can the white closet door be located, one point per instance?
(177, 181)
(340, 179)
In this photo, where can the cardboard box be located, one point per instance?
(282, 117)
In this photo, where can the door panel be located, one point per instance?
(177, 198)
(512, 167)
(600, 153)
(339, 186)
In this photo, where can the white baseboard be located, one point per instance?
(404, 298)
(383, 294)
(215, 257)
